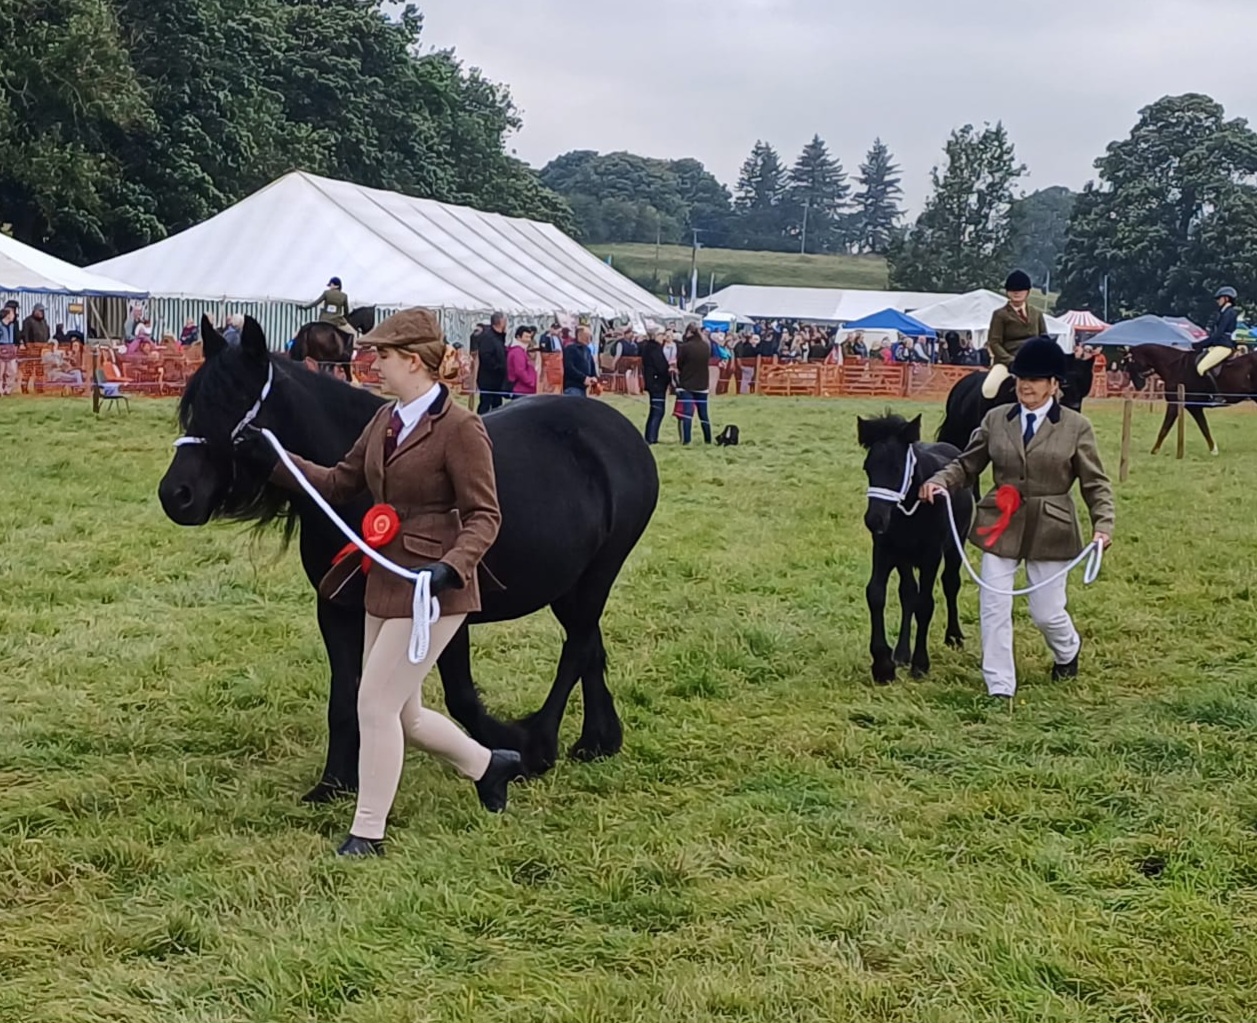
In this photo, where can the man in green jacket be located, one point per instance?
(1012, 326)
(1037, 448)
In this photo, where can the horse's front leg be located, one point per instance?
(908, 594)
(342, 630)
(1198, 414)
(924, 615)
(875, 595)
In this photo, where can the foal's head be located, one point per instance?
(888, 439)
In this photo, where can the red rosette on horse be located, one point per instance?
(380, 525)
(1008, 501)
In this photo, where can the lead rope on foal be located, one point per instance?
(1092, 554)
(425, 608)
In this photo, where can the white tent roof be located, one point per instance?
(23, 268)
(831, 305)
(972, 312)
(281, 244)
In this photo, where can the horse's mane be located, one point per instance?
(887, 426)
(220, 384)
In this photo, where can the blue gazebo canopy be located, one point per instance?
(892, 319)
(1145, 330)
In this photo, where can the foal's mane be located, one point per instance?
(887, 426)
(230, 380)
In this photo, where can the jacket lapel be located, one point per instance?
(1050, 419)
(1012, 424)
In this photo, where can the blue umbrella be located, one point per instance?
(1145, 330)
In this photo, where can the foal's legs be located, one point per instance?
(951, 590)
(909, 594)
(924, 615)
(875, 596)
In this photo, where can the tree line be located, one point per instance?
(124, 120)
(1171, 216)
(813, 205)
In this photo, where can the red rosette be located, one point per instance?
(1008, 501)
(380, 525)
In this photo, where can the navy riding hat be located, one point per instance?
(1040, 358)
(334, 282)
(1018, 280)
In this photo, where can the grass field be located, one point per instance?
(778, 841)
(732, 266)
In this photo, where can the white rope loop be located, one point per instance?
(1092, 554)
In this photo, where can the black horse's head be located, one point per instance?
(1079, 378)
(1140, 367)
(888, 440)
(205, 478)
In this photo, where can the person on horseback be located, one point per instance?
(1220, 344)
(1012, 326)
(333, 307)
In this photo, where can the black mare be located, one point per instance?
(910, 537)
(577, 487)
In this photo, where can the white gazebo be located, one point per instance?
(971, 312)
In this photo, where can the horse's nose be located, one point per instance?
(182, 497)
(876, 519)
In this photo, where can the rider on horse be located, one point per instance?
(333, 306)
(1012, 326)
(1220, 344)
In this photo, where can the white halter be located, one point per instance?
(249, 416)
(897, 497)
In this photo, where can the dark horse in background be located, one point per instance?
(966, 408)
(910, 537)
(326, 346)
(1236, 381)
(577, 487)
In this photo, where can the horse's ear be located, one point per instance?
(861, 431)
(212, 343)
(912, 431)
(253, 340)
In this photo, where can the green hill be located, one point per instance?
(734, 266)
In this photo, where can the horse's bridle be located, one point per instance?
(249, 416)
(897, 497)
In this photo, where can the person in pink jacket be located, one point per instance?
(521, 374)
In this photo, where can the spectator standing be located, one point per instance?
(579, 370)
(489, 347)
(656, 376)
(521, 374)
(693, 381)
(8, 351)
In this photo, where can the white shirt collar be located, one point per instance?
(413, 410)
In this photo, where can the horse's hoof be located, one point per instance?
(328, 792)
(956, 642)
(883, 675)
(586, 752)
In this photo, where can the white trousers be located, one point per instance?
(1047, 609)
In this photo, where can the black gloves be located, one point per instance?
(443, 577)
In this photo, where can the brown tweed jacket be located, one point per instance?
(441, 482)
(1062, 451)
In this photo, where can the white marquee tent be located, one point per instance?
(274, 251)
(972, 312)
(30, 276)
(816, 305)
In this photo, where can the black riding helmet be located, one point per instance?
(1040, 358)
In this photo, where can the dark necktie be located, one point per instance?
(394, 431)
(1028, 435)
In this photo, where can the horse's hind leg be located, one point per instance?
(1171, 414)
(1198, 414)
(343, 637)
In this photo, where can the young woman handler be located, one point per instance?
(1037, 449)
(429, 463)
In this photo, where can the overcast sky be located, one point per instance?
(706, 78)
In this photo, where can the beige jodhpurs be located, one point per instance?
(391, 713)
(1214, 356)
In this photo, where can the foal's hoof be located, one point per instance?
(956, 642)
(328, 792)
(883, 673)
(586, 751)
(919, 671)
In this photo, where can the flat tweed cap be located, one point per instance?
(409, 327)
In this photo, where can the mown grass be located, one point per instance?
(736, 266)
(778, 841)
